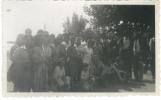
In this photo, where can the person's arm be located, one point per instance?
(150, 42)
(134, 49)
(63, 76)
(67, 55)
(117, 72)
(12, 52)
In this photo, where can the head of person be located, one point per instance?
(38, 38)
(28, 37)
(57, 41)
(20, 40)
(90, 43)
(52, 38)
(78, 43)
(45, 37)
(126, 36)
(72, 41)
(28, 32)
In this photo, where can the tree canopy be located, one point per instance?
(105, 15)
(76, 25)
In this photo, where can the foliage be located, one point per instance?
(76, 25)
(107, 15)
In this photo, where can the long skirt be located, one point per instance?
(41, 78)
(20, 75)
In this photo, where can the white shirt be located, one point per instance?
(87, 55)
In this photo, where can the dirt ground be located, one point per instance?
(148, 85)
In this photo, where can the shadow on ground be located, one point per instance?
(130, 86)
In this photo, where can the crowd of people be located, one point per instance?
(44, 62)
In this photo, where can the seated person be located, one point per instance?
(59, 75)
(86, 79)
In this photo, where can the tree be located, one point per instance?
(116, 21)
(76, 25)
(67, 26)
(106, 15)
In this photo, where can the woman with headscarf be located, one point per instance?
(19, 72)
(72, 70)
(41, 59)
(29, 47)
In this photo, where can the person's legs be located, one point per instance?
(135, 68)
(136, 73)
(145, 60)
(141, 71)
(73, 83)
(127, 64)
(129, 70)
(153, 67)
(129, 74)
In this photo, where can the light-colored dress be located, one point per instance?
(126, 43)
(41, 57)
(87, 59)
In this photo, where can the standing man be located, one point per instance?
(29, 47)
(79, 57)
(126, 56)
(152, 53)
(138, 68)
(41, 57)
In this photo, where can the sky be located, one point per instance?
(18, 16)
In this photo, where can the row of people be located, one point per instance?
(39, 64)
(45, 63)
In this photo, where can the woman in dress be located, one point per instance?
(19, 72)
(73, 68)
(41, 58)
(88, 57)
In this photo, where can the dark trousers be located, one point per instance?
(138, 68)
(153, 66)
(126, 56)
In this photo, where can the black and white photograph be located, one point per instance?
(71, 47)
